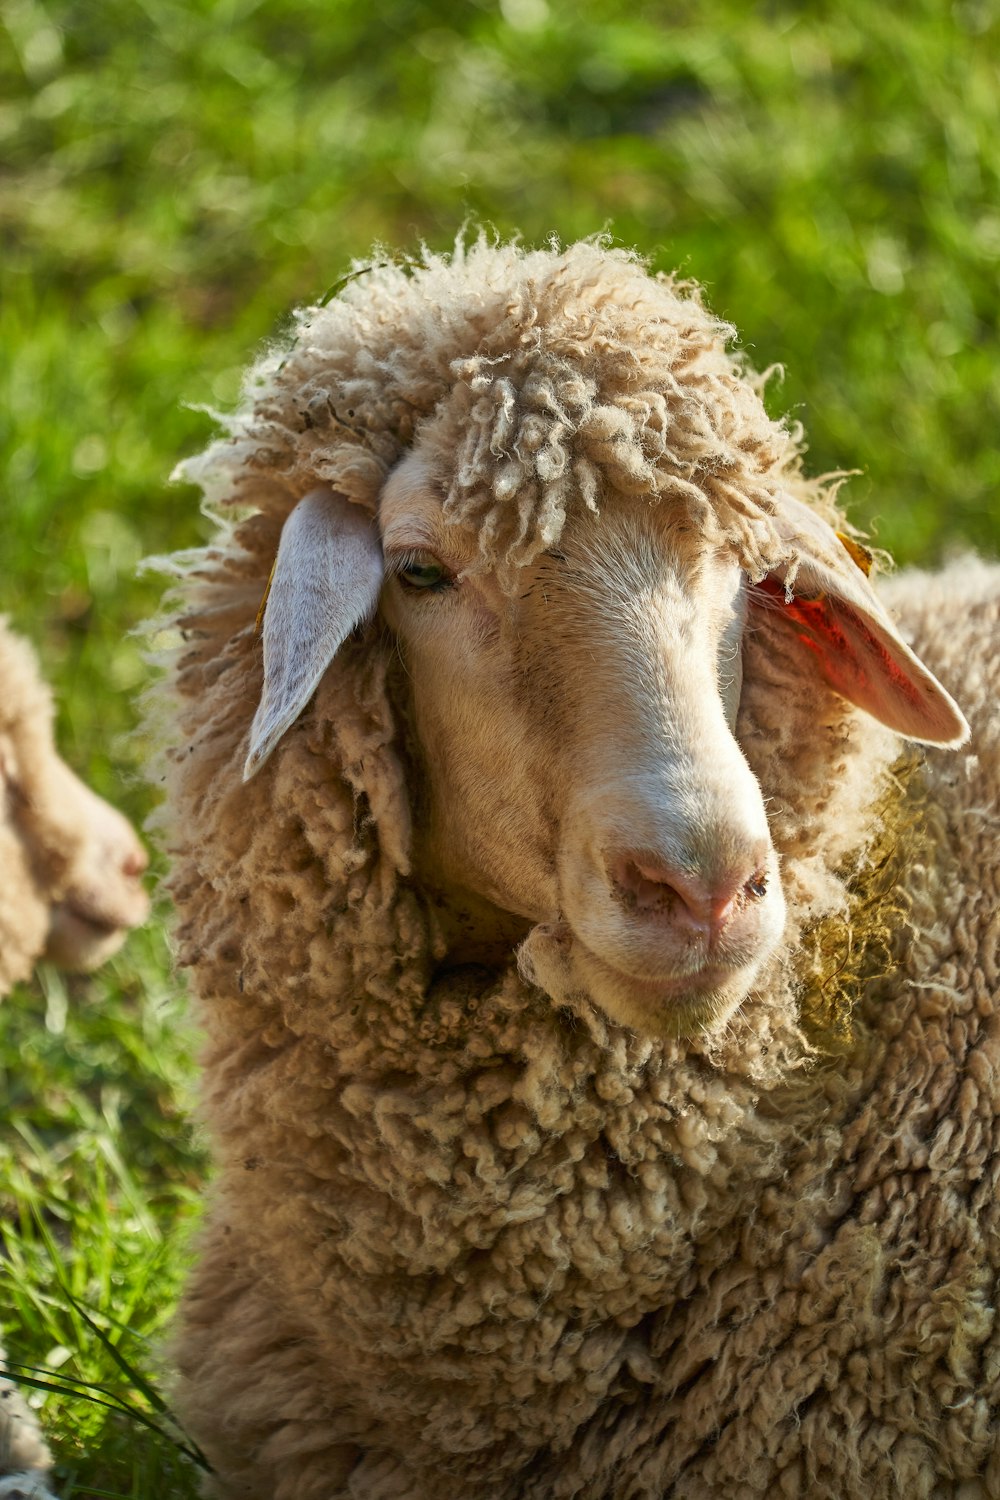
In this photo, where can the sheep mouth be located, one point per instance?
(99, 923)
(669, 1005)
(708, 980)
(689, 984)
(82, 933)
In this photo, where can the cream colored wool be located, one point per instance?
(25, 904)
(468, 1236)
(69, 863)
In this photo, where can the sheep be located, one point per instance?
(596, 978)
(70, 863)
(70, 868)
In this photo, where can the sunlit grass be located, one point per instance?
(100, 1178)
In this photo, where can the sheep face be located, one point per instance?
(575, 734)
(70, 863)
(579, 783)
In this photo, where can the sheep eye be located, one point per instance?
(424, 572)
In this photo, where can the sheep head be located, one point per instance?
(575, 724)
(70, 864)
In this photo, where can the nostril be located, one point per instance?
(650, 885)
(655, 888)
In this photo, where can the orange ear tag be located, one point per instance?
(263, 603)
(859, 555)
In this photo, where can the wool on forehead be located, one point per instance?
(538, 382)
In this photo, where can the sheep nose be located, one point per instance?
(135, 862)
(683, 898)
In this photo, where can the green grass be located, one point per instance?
(174, 176)
(99, 1181)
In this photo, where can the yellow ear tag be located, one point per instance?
(859, 555)
(263, 603)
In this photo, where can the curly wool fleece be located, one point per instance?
(468, 1237)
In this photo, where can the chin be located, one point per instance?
(79, 943)
(670, 1007)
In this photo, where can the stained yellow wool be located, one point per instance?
(844, 953)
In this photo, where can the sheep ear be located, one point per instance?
(825, 596)
(326, 580)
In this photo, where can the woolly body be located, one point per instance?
(468, 1233)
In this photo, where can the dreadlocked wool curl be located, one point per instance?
(550, 400)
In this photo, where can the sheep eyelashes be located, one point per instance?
(326, 580)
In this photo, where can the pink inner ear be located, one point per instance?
(858, 664)
(870, 665)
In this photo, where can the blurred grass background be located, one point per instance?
(176, 174)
